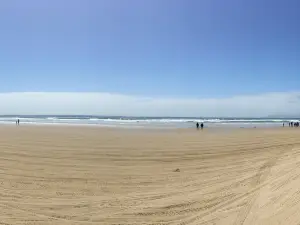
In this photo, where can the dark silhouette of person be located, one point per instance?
(197, 125)
(202, 125)
(18, 122)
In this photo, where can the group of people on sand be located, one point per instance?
(201, 125)
(293, 124)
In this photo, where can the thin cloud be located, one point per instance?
(285, 103)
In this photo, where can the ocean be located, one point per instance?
(144, 122)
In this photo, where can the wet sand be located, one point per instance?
(79, 175)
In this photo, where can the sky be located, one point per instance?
(150, 58)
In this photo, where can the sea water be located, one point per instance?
(144, 122)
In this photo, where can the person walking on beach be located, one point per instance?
(197, 125)
(202, 125)
(18, 122)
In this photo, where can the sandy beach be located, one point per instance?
(79, 175)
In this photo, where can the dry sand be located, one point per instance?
(57, 175)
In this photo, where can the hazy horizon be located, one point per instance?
(62, 103)
(142, 117)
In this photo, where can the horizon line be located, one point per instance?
(182, 117)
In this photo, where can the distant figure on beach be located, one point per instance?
(18, 122)
(283, 124)
(197, 125)
(202, 125)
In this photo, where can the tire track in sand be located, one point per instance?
(259, 182)
(258, 179)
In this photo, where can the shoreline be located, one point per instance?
(142, 129)
(151, 126)
(147, 127)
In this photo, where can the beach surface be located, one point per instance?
(85, 175)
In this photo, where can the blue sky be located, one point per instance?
(163, 49)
